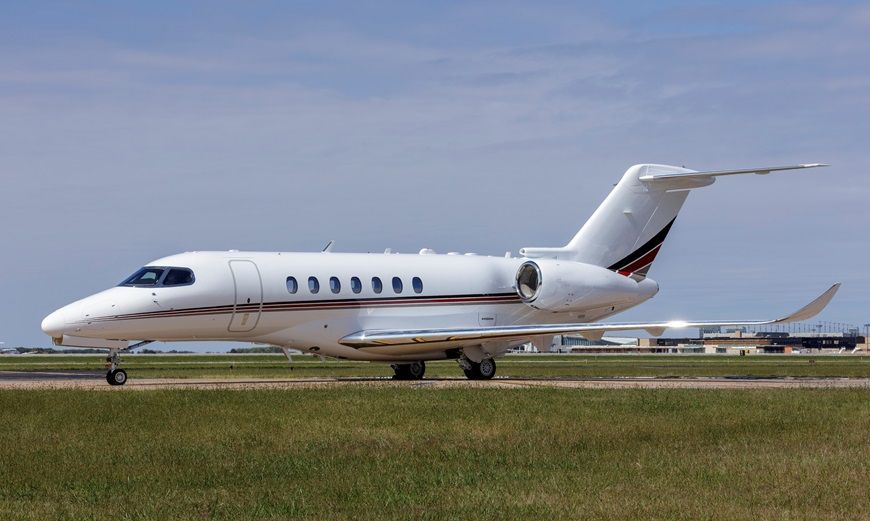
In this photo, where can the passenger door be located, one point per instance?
(249, 295)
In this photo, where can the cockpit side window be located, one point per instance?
(144, 277)
(178, 277)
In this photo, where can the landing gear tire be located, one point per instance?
(412, 371)
(116, 377)
(484, 370)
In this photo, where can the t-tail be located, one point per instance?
(627, 231)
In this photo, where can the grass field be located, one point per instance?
(387, 452)
(274, 366)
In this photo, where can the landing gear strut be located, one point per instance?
(412, 371)
(483, 370)
(115, 375)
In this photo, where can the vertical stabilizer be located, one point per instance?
(627, 231)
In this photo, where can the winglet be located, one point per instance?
(813, 308)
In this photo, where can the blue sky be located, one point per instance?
(133, 131)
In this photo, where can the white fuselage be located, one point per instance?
(467, 307)
(244, 296)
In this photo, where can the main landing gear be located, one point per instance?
(115, 375)
(483, 370)
(412, 371)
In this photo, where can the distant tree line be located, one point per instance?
(50, 351)
(255, 349)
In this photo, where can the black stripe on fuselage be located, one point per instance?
(307, 305)
(643, 250)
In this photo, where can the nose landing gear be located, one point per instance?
(115, 375)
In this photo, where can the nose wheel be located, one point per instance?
(115, 375)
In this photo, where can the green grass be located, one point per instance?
(421, 453)
(276, 366)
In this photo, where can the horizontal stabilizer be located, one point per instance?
(469, 336)
(717, 173)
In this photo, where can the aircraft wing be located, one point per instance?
(466, 336)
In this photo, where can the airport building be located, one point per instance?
(788, 339)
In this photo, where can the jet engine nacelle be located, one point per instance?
(563, 286)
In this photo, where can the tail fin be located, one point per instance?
(626, 232)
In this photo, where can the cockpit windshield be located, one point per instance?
(150, 276)
(144, 277)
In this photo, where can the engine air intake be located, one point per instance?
(528, 281)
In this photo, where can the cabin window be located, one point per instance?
(397, 284)
(178, 277)
(334, 284)
(144, 277)
(355, 284)
(418, 285)
(377, 285)
(292, 285)
(313, 285)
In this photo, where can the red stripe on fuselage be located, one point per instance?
(314, 305)
(641, 262)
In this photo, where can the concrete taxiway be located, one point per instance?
(96, 381)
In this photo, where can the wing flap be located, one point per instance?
(465, 336)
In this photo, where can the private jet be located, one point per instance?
(408, 309)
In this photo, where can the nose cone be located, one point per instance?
(54, 324)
